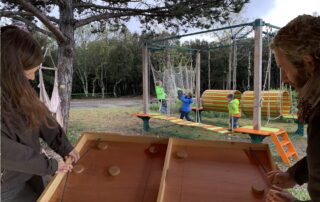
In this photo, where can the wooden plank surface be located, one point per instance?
(209, 172)
(213, 169)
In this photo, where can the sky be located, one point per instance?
(280, 12)
(275, 12)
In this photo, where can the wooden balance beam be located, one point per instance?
(284, 145)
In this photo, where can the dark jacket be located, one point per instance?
(307, 170)
(20, 152)
(186, 102)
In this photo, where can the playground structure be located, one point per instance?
(175, 71)
(255, 103)
(216, 100)
(162, 170)
(280, 137)
(274, 104)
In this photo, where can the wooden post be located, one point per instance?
(234, 65)
(257, 73)
(230, 69)
(198, 79)
(209, 70)
(145, 79)
(249, 71)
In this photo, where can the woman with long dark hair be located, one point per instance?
(25, 119)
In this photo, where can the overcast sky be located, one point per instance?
(280, 12)
(276, 12)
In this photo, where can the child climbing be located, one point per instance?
(234, 112)
(185, 108)
(161, 96)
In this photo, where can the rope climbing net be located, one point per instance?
(176, 72)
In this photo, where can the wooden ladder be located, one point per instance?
(284, 146)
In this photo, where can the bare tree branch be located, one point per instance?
(101, 8)
(125, 12)
(93, 18)
(61, 2)
(5, 13)
(33, 26)
(111, 8)
(43, 18)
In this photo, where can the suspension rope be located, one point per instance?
(249, 70)
(267, 81)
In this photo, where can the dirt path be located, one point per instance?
(106, 103)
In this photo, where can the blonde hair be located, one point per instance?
(158, 83)
(300, 37)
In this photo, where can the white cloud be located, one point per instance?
(285, 10)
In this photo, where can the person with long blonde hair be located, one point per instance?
(25, 119)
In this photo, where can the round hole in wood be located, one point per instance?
(153, 149)
(102, 146)
(78, 169)
(114, 170)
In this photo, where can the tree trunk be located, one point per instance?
(65, 71)
(133, 90)
(115, 88)
(102, 90)
(84, 81)
(93, 87)
(65, 60)
(86, 91)
(101, 79)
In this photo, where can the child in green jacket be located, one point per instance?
(161, 96)
(234, 112)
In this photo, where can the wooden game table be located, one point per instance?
(146, 169)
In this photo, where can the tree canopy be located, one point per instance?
(62, 17)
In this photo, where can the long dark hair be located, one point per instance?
(20, 52)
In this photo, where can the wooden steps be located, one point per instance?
(284, 146)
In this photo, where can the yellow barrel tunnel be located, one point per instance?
(216, 100)
(276, 102)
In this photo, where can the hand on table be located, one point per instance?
(281, 179)
(73, 155)
(277, 194)
(64, 167)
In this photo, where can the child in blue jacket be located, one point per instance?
(185, 108)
